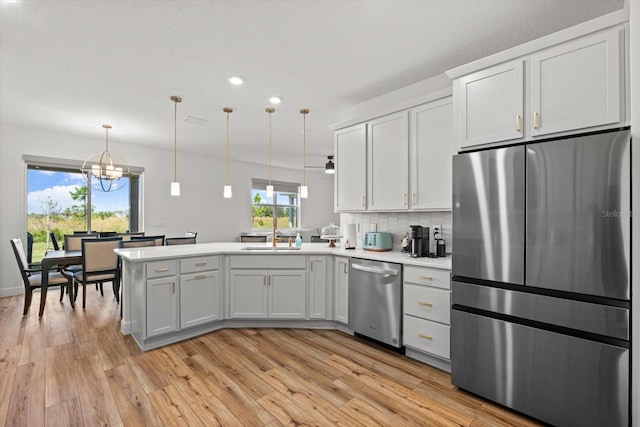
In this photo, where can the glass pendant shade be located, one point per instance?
(269, 190)
(304, 191)
(175, 188)
(227, 192)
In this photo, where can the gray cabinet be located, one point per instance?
(341, 290)
(161, 298)
(318, 289)
(199, 291)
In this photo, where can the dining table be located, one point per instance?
(56, 259)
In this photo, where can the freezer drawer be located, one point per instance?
(559, 379)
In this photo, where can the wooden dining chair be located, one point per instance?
(159, 239)
(99, 265)
(32, 278)
(191, 234)
(180, 241)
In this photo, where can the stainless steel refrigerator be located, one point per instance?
(541, 277)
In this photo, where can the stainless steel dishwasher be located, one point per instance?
(375, 300)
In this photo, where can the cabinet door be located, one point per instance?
(341, 290)
(287, 294)
(388, 163)
(199, 298)
(576, 84)
(490, 105)
(317, 287)
(161, 306)
(248, 294)
(432, 147)
(351, 173)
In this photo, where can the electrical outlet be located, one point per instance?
(436, 229)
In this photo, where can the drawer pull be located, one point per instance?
(517, 122)
(160, 270)
(425, 277)
(413, 199)
(404, 199)
(363, 201)
(264, 281)
(202, 276)
(535, 120)
(426, 304)
(200, 264)
(426, 337)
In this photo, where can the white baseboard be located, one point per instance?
(10, 292)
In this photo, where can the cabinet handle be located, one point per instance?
(311, 262)
(345, 267)
(200, 264)
(425, 277)
(413, 199)
(518, 122)
(160, 270)
(269, 283)
(173, 287)
(426, 304)
(202, 276)
(363, 199)
(535, 120)
(404, 199)
(426, 337)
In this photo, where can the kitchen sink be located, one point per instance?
(271, 248)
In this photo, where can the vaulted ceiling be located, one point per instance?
(71, 65)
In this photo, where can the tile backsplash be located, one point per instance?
(397, 223)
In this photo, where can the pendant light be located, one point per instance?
(175, 185)
(304, 190)
(270, 110)
(227, 186)
(106, 169)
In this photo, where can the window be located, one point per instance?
(59, 201)
(283, 207)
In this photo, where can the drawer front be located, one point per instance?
(268, 261)
(427, 336)
(194, 265)
(427, 303)
(161, 269)
(435, 277)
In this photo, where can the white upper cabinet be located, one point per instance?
(350, 190)
(388, 159)
(431, 148)
(555, 89)
(576, 84)
(491, 105)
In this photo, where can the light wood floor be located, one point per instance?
(74, 368)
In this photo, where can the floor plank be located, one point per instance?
(73, 367)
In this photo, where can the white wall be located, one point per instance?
(200, 208)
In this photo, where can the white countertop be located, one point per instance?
(223, 248)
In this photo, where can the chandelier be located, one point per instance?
(106, 171)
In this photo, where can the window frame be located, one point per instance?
(278, 187)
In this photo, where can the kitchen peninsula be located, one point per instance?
(171, 293)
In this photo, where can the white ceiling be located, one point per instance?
(71, 65)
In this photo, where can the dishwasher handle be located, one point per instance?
(375, 270)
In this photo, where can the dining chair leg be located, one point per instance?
(62, 287)
(84, 295)
(70, 292)
(43, 300)
(28, 295)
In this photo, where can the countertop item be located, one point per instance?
(235, 248)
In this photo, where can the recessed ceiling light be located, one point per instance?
(235, 80)
(275, 100)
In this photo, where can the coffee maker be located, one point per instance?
(419, 246)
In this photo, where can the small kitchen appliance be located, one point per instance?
(378, 241)
(419, 246)
(350, 236)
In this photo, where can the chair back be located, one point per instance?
(191, 234)
(128, 236)
(21, 257)
(104, 234)
(138, 243)
(159, 239)
(73, 242)
(54, 241)
(253, 239)
(98, 255)
(180, 241)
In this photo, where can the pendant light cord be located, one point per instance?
(270, 111)
(228, 112)
(175, 141)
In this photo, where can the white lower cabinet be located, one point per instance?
(427, 311)
(341, 290)
(199, 291)
(318, 290)
(162, 299)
